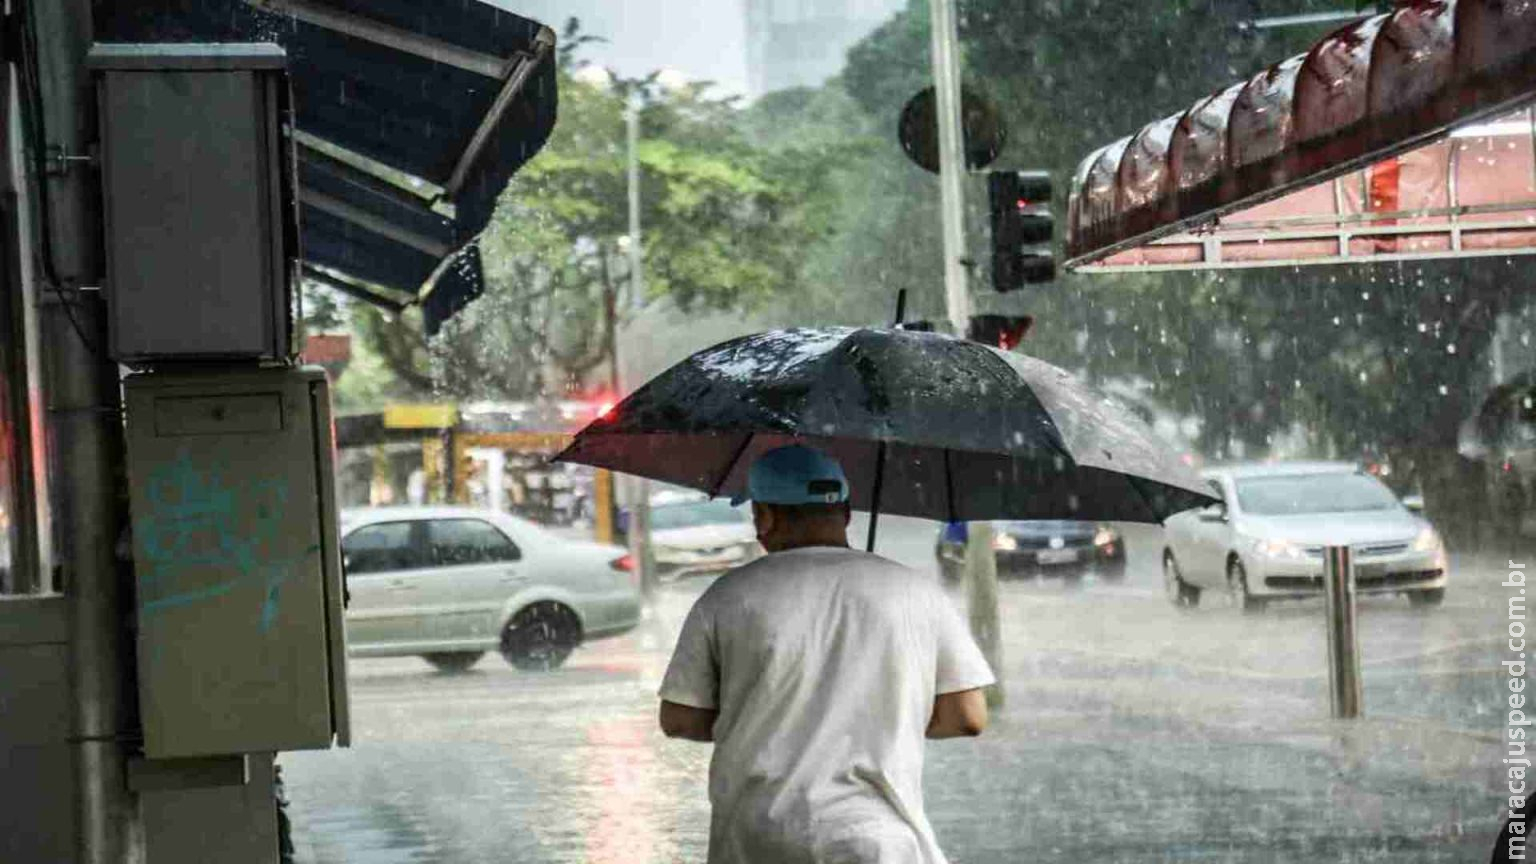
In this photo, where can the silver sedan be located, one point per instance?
(451, 583)
(1265, 540)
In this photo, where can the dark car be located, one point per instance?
(1056, 548)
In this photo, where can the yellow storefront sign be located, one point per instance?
(440, 415)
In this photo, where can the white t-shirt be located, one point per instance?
(823, 663)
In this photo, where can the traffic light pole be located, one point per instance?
(946, 85)
(980, 563)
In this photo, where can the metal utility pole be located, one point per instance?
(84, 413)
(640, 488)
(946, 85)
(980, 560)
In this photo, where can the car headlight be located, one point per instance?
(1005, 542)
(1104, 536)
(1428, 541)
(1281, 550)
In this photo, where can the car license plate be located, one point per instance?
(1057, 556)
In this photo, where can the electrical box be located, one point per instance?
(198, 193)
(237, 560)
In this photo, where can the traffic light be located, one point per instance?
(1022, 229)
(1000, 331)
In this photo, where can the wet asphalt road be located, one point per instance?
(1133, 732)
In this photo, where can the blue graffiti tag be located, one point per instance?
(196, 523)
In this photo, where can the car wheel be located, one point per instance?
(540, 637)
(1427, 597)
(453, 661)
(1180, 593)
(1237, 588)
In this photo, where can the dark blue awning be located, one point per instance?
(458, 94)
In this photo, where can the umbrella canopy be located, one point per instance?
(968, 432)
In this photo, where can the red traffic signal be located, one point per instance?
(1022, 229)
(1000, 331)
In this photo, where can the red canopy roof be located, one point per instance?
(1239, 178)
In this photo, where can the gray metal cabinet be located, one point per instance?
(235, 547)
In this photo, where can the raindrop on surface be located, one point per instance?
(1451, 348)
(1444, 390)
(1362, 376)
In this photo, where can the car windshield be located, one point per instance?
(1292, 495)
(696, 514)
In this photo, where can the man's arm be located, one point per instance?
(955, 715)
(696, 724)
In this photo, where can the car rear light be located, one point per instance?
(624, 563)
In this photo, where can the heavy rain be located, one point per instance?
(1189, 405)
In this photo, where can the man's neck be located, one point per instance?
(809, 542)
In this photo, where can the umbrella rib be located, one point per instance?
(949, 485)
(1135, 483)
(731, 465)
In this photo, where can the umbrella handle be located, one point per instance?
(874, 500)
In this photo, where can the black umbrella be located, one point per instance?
(924, 425)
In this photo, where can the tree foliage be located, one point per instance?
(723, 226)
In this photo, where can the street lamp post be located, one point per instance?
(640, 488)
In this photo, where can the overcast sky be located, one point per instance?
(704, 39)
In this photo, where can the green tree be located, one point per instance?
(723, 223)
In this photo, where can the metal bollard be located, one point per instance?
(1343, 641)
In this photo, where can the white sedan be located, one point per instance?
(696, 536)
(1265, 539)
(451, 583)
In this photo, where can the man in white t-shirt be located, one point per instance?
(817, 671)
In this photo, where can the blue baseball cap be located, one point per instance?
(795, 475)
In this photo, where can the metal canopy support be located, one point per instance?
(517, 78)
(1304, 19)
(368, 221)
(355, 290)
(310, 155)
(321, 15)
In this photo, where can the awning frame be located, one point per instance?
(369, 30)
(1487, 63)
(453, 252)
(368, 293)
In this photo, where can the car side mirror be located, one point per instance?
(1214, 513)
(1414, 503)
